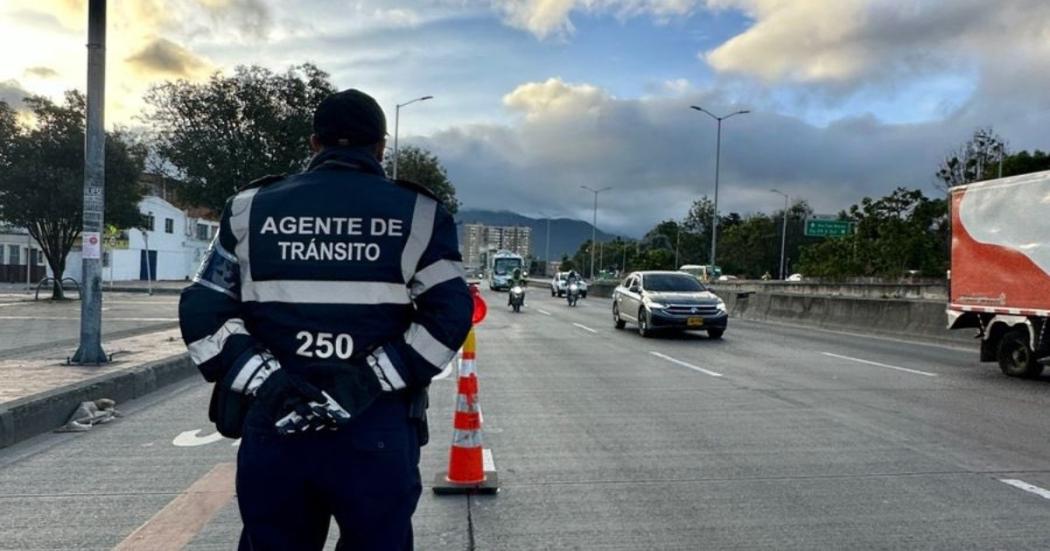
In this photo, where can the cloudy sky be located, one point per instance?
(534, 98)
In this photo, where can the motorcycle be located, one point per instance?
(517, 298)
(572, 294)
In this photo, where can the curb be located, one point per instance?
(32, 415)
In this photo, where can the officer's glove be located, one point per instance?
(314, 416)
(304, 406)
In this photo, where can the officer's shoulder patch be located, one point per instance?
(418, 188)
(264, 181)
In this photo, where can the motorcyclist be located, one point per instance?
(517, 279)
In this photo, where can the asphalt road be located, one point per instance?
(26, 324)
(773, 438)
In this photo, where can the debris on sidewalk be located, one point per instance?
(89, 414)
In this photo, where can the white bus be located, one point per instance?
(501, 267)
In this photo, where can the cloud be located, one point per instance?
(546, 18)
(846, 44)
(555, 98)
(251, 16)
(659, 155)
(12, 93)
(41, 72)
(162, 57)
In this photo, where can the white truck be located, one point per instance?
(1000, 269)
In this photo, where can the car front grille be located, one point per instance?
(692, 309)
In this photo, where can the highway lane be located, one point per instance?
(601, 444)
(789, 448)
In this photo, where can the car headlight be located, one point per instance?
(721, 306)
(655, 305)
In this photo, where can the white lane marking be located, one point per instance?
(877, 364)
(542, 311)
(684, 364)
(488, 464)
(1030, 488)
(192, 439)
(446, 372)
(584, 327)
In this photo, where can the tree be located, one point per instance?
(423, 167)
(1025, 163)
(976, 160)
(230, 130)
(42, 186)
(894, 235)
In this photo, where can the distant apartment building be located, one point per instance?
(477, 239)
(517, 239)
(472, 242)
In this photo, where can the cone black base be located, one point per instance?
(443, 487)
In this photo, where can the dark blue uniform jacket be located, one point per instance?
(337, 263)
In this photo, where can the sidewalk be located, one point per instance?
(39, 390)
(43, 371)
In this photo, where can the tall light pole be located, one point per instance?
(397, 124)
(677, 244)
(90, 349)
(718, 159)
(547, 254)
(594, 224)
(784, 230)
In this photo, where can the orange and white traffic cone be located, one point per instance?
(468, 470)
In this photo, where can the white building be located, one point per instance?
(478, 239)
(16, 246)
(174, 242)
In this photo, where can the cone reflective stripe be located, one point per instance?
(466, 462)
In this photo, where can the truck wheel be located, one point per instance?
(1015, 356)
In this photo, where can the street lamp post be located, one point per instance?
(718, 159)
(784, 230)
(547, 254)
(594, 224)
(397, 124)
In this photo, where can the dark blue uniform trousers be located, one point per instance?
(365, 475)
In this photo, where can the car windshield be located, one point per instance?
(505, 266)
(672, 283)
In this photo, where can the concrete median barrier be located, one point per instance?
(911, 319)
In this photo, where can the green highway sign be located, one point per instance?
(828, 228)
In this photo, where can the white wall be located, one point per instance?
(179, 252)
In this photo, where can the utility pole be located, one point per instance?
(783, 232)
(677, 244)
(594, 223)
(90, 350)
(29, 264)
(718, 160)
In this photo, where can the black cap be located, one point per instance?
(349, 118)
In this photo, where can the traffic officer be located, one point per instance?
(325, 305)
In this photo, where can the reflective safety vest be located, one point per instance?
(336, 263)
